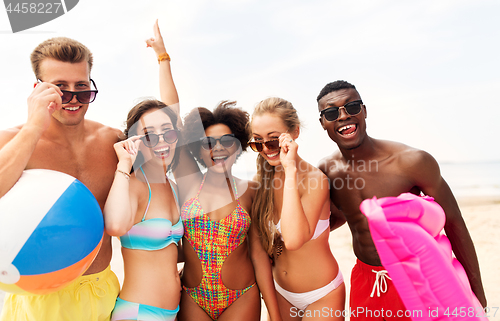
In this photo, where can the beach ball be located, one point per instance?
(51, 229)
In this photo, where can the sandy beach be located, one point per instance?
(481, 214)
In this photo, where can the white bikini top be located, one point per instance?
(322, 226)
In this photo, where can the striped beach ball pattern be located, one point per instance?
(51, 229)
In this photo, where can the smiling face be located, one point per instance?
(347, 131)
(267, 127)
(156, 122)
(220, 159)
(71, 77)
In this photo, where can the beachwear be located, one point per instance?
(304, 299)
(213, 242)
(125, 310)
(152, 234)
(89, 298)
(372, 291)
(322, 226)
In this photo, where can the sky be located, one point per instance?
(427, 71)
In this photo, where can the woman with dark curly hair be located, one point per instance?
(218, 277)
(222, 253)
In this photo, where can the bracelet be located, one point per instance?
(163, 56)
(127, 175)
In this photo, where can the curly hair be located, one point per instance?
(135, 114)
(334, 86)
(199, 119)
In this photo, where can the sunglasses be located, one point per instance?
(83, 97)
(151, 140)
(353, 108)
(226, 141)
(259, 146)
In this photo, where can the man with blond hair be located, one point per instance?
(57, 136)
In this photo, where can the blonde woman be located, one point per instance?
(292, 209)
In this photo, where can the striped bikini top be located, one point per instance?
(214, 240)
(154, 233)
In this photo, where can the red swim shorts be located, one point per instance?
(373, 296)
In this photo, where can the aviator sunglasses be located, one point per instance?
(226, 141)
(259, 146)
(83, 97)
(353, 108)
(151, 140)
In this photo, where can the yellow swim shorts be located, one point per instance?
(90, 298)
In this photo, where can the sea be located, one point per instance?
(472, 179)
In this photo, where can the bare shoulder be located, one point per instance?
(315, 172)
(418, 164)
(248, 186)
(413, 158)
(246, 193)
(328, 164)
(313, 179)
(7, 134)
(104, 133)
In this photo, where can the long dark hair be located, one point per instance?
(135, 114)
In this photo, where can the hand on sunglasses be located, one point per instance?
(127, 150)
(288, 152)
(43, 101)
(83, 97)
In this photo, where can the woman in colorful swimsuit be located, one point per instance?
(142, 208)
(292, 214)
(219, 278)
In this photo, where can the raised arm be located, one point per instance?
(303, 202)
(168, 92)
(17, 145)
(121, 204)
(428, 178)
(187, 171)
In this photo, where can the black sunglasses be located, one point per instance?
(353, 108)
(151, 140)
(226, 141)
(84, 97)
(259, 146)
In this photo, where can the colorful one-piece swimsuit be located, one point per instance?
(213, 242)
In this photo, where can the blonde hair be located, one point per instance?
(62, 49)
(263, 205)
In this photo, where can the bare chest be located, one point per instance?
(348, 188)
(93, 165)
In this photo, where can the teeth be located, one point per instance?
(219, 157)
(71, 108)
(273, 155)
(341, 129)
(165, 149)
